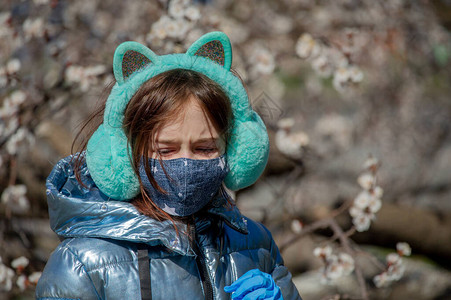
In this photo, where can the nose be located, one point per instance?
(186, 154)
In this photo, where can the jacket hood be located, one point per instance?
(77, 211)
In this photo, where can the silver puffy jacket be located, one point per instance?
(97, 258)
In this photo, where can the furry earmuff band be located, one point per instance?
(108, 154)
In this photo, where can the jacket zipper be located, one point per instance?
(200, 261)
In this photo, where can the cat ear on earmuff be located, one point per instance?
(215, 46)
(130, 57)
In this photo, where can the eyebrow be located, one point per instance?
(172, 141)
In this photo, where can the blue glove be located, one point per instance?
(253, 285)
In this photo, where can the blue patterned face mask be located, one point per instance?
(195, 182)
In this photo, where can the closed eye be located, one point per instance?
(207, 150)
(164, 151)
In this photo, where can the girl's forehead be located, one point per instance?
(192, 127)
(198, 133)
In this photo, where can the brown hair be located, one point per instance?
(154, 104)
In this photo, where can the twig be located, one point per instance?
(373, 259)
(347, 234)
(347, 246)
(344, 207)
(13, 170)
(306, 230)
(316, 225)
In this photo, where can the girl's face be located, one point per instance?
(189, 135)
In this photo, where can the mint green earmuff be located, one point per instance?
(108, 154)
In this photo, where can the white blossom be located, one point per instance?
(12, 66)
(17, 97)
(173, 28)
(176, 9)
(34, 277)
(362, 200)
(362, 222)
(33, 28)
(322, 66)
(4, 17)
(347, 262)
(285, 123)
(366, 180)
(367, 204)
(336, 265)
(307, 46)
(11, 125)
(395, 267)
(363, 210)
(21, 138)
(184, 27)
(345, 77)
(6, 276)
(11, 104)
(396, 272)
(374, 204)
(192, 13)
(337, 58)
(95, 70)
(354, 211)
(403, 249)
(371, 162)
(84, 76)
(8, 108)
(340, 80)
(393, 258)
(355, 74)
(333, 269)
(22, 282)
(296, 226)
(368, 201)
(262, 61)
(323, 252)
(381, 280)
(74, 73)
(20, 262)
(14, 198)
(291, 144)
(169, 46)
(377, 192)
(157, 32)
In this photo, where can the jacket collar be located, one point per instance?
(77, 211)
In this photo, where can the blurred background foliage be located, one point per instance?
(335, 82)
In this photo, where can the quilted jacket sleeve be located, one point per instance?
(64, 277)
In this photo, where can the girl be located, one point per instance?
(143, 211)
